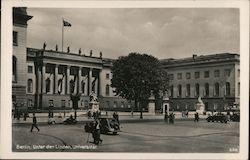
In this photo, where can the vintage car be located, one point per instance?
(55, 120)
(60, 120)
(107, 125)
(235, 117)
(218, 117)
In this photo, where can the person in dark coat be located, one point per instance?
(34, 124)
(116, 116)
(196, 117)
(97, 132)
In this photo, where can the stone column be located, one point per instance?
(99, 84)
(39, 80)
(43, 79)
(90, 81)
(67, 82)
(56, 79)
(79, 80)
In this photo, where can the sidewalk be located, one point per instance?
(42, 118)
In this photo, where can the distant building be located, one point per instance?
(19, 67)
(215, 78)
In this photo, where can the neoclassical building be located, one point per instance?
(215, 78)
(52, 76)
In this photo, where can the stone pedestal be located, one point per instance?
(151, 105)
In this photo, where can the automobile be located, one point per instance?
(55, 120)
(70, 120)
(218, 117)
(235, 117)
(108, 125)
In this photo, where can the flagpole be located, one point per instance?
(62, 34)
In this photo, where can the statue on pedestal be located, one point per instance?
(94, 105)
(200, 107)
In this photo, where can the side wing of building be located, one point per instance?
(214, 78)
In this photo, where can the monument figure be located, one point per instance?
(200, 107)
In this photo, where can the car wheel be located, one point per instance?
(225, 121)
(208, 120)
(221, 121)
(212, 120)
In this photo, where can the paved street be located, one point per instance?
(183, 136)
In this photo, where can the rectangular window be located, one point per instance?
(84, 71)
(171, 76)
(188, 75)
(239, 89)
(107, 76)
(30, 103)
(63, 103)
(238, 72)
(188, 90)
(49, 69)
(73, 71)
(217, 73)
(227, 72)
(197, 75)
(206, 74)
(30, 69)
(179, 76)
(61, 70)
(15, 42)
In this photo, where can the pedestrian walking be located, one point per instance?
(34, 124)
(171, 118)
(96, 132)
(187, 113)
(116, 116)
(196, 117)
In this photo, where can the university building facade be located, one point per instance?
(43, 78)
(215, 78)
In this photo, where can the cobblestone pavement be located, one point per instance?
(183, 136)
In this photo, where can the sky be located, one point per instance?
(161, 32)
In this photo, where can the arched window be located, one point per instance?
(30, 86)
(217, 89)
(72, 86)
(14, 69)
(227, 88)
(197, 90)
(107, 90)
(115, 104)
(179, 90)
(206, 89)
(172, 91)
(83, 86)
(48, 85)
(188, 90)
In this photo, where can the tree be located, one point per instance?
(135, 76)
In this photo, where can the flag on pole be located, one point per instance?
(66, 24)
